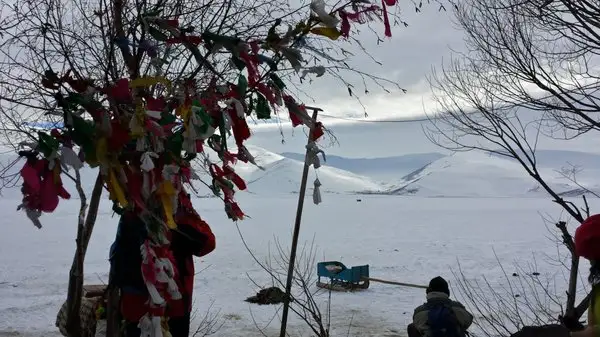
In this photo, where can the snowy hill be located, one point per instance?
(429, 174)
(476, 174)
(583, 166)
(559, 158)
(383, 168)
(283, 174)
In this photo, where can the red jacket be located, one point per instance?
(192, 237)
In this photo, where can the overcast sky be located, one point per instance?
(408, 57)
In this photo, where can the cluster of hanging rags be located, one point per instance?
(142, 133)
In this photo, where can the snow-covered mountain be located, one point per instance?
(477, 174)
(282, 174)
(278, 175)
(471, 174)
(381, 169)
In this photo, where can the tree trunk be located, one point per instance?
(572, 291)
(583, 306)
(85, 225)
(113, 318)
(92, 214)
(572, 313)
(76, 284)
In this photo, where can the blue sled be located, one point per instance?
(342, 278)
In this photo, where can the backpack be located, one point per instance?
(442, 321)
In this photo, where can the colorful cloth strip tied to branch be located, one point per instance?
(362, 11)
(143, 133)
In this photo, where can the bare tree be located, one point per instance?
(306, 302)
(526, 294)
(72, 63)
(523, 297)
(539, 54)
(209, 323)
(530, 70)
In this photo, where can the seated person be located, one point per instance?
(440, 316)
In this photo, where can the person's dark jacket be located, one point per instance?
(192, 237)
(421, 314)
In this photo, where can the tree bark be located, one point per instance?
(583, 306)
(76, 284)
(92, 214)
(572, 320)
(85, 225)
(572, 313)
(572, 291)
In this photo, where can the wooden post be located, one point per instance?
(412, 285)
(290, 275)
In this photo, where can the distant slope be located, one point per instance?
(385, 169)
(283, 174)
(582, 166)
(475, 174)
(472, 174)
(557, 159)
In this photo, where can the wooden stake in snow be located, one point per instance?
(290, 275)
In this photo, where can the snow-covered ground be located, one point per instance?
(409, 239)
(466, 208)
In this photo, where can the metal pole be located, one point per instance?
(290, 275)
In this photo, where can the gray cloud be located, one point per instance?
(407, 58)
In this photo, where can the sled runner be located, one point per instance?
(342, 278)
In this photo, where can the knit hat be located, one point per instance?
(438, 284)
